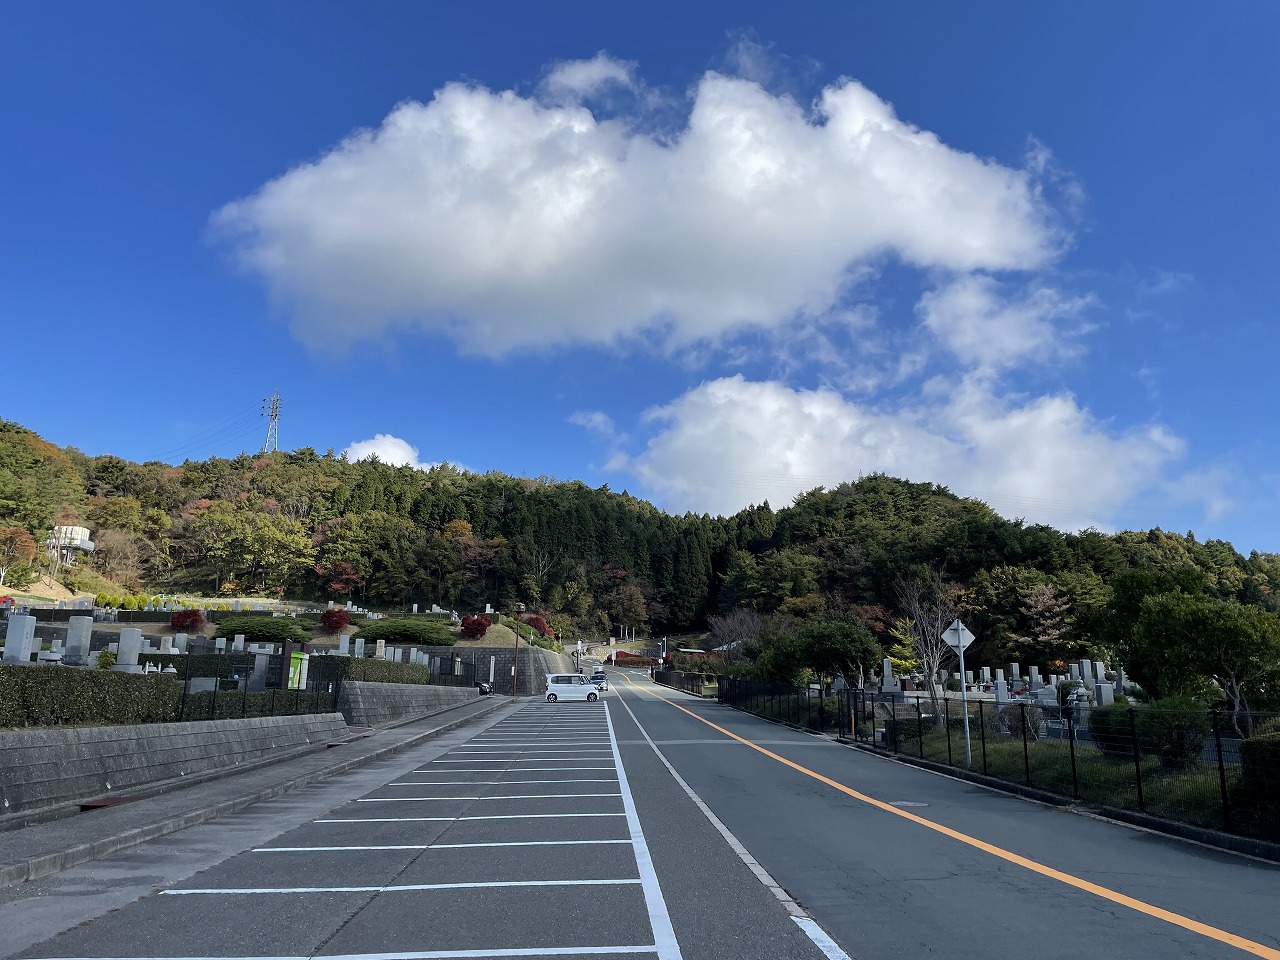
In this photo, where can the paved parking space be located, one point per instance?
(523, 841)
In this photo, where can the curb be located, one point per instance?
(51, 863)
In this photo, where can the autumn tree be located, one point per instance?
(17, 557)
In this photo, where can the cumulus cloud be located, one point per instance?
(387, 449)
(731, 442)
(575, 79)
(595, 421)
(986, 330)
(501, 220)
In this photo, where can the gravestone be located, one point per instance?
(79, 633)
(415, 608)
(1000, 676)
(1035, 678)
(1099, 672)
(359, 646)
(20, 639)
(181, 642)
(237, 642)
(129, 651)
(1015, 671)
(380, 649)
(1104, 694)
(1121, 680)
(1074, 670)
(344, 645)
(985, 674)
(888, 684)
(1002, 691)
(330, 607)
(220, 644)
(968, 677)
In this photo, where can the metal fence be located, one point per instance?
(803, 707)
(229, 689)
(698, 684)
(1188, 766)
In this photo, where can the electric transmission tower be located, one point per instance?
(271, 410)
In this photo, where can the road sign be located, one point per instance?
(957, 636)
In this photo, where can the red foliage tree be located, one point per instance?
(475, 626)
(186, 620)
(538, 624)
(335, 621)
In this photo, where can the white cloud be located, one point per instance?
(388, 449)
(595, 421)
(731, 442)
(503, 221)
(983, 329)
(575, 79)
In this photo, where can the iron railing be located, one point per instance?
(804, 707)
(1189, 766)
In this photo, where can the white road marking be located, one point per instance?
(442, 846)
(481, 954)
(495, 783)
(516, 796)
(513, 816)
(805, 922)
(408, 887)
(664, 934)
(521, 770)
(525, 760)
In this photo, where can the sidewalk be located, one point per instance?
(45, 848)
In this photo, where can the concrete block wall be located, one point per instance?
(535, 664)
(46, 767)
(377, 704)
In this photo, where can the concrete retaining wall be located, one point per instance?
(47, 767)
(367, 704)
(535, 664)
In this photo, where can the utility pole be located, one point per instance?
(271, 410)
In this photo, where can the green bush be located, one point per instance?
(54, 696)
(397, 632)
(1263, 727)
(264, 629)
(105, 659)
(1010, 720)
(368, 670)
(1175, 730)
(1109, 726)
(1260, 766)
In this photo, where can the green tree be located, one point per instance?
(17, 557)
(838, 647)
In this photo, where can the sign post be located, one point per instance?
(957, 637)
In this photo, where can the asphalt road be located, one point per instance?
(651, 825)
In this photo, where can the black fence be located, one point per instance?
(698, 684)
(1190, 766)
(228, 687)
(803, 707)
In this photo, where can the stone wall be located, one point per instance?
(47, 767)
(377, 704)
(535, 664)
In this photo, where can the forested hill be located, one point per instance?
(308, 525)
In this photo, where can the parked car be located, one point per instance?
(570, 686)
(600, 679)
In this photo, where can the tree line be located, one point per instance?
(316, 526)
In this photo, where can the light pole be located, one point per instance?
(515, 670)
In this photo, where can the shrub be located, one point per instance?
(475, 626)
(539, 624)
(1263, 727)
(55, 696)
(263, 629)
(1260, 767)
(1013, 719)
(105, 659)
(1110, 729)
(952, 685)
(187, 620)
(335, 621)
(412, 631)
(1174, 729)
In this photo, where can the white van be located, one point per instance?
(570, 686)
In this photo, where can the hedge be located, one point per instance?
(367, 669)
(401, 631)
(56, 696)
(264, 629)
(202, 664)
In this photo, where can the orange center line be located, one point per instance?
(1150, 910)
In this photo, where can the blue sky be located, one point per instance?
(710, 253)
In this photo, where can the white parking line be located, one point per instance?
(442, 846)
(408, 887)
(664, 934)
(495, 783)
(526, 760)
(482, 954)
(517, 796)
(513, 816)
(521, 770)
